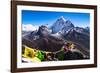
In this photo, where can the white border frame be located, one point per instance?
(53, 63)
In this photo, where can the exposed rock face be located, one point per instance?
(45, 43)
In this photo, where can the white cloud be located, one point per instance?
(29, 27)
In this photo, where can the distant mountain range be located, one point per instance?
(52, 39)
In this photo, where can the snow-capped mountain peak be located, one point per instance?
(61, 24)
(62, 18)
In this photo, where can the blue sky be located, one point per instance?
(38, 18)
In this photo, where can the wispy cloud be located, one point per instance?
(29, 27)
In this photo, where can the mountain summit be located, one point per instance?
(61, 24)
(43, 31)
(62, 18)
